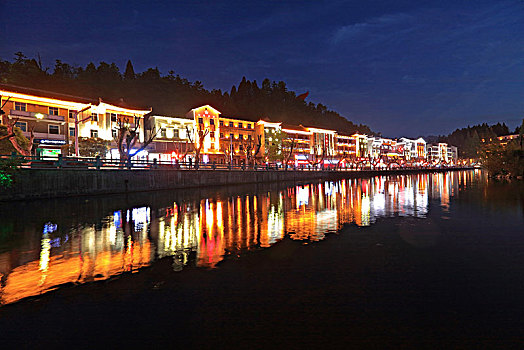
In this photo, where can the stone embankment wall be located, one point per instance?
(50, 183)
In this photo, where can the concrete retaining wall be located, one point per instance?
(49, 183)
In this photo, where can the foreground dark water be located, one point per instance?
(46, 244)
(433, 260)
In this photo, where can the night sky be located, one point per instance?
(405, 68)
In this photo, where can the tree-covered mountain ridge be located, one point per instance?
(170, 94)
(469, 139)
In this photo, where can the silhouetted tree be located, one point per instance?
(129, 73)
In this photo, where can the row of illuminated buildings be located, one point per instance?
(55, 119)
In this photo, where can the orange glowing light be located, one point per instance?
(48, 101)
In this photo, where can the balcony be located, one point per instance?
(31, 115)
(45, 136)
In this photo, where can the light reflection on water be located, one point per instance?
(202, 232)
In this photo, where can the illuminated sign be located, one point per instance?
(50, 152)
(51, 142)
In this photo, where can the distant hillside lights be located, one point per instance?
(205, 135)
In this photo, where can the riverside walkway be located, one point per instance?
(68, 176)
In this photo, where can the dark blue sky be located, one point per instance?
(405, 68)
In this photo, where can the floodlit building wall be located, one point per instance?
(53, 121)
(52, 116)
(172, 139)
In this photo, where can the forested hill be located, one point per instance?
(173, 95)
(469, 139)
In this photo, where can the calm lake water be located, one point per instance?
(51, 243)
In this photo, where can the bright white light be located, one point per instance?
(140, 217)
(302, 195)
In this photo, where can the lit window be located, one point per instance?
(22, 126)
(54, 129)
(53, 111)
(19, 106)
(94, 133)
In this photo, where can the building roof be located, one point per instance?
(508, 137)
(46, 93)
(294, 127)
(184, 118)
(66, 97)
(344, 135)
(205, 107)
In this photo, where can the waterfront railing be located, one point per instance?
(61, 162)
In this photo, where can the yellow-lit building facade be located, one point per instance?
(225, 139)
(206, 121)
(239, 137)
(362, 143)
(346, 146)
(51, 117)
(54, 119)
(269, 132)
(300, 138)
(44, 114)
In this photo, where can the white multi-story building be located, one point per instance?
(172, 140)
(442, 153)
(452, 155)
(413, 149)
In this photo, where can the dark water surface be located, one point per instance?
(432, 259)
